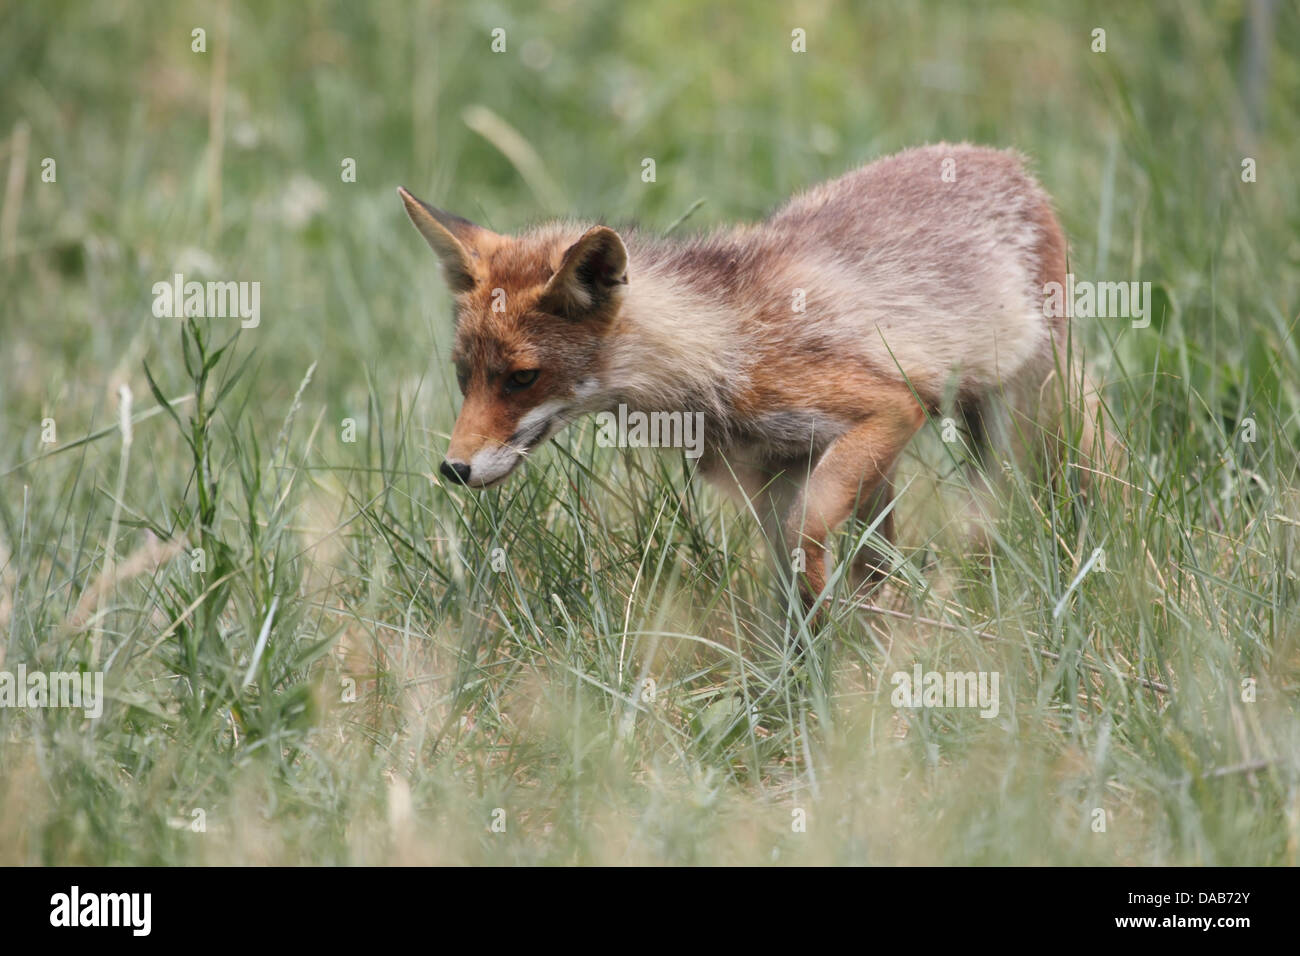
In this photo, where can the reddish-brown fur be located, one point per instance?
(921, 280)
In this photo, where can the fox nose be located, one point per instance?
(456, 471)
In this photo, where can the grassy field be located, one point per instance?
(314, 651)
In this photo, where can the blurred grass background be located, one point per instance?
(407, 691)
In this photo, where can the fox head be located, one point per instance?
(532, 315)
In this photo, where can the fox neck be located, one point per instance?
(673, 347)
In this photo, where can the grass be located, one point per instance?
(315, 652)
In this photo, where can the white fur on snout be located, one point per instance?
(494, 462)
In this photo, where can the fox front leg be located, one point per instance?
(852, 470)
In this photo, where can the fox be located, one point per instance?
(815, 343)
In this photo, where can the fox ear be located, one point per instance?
(455, 240)
(590, 277)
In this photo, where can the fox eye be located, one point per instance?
(521, 379)
(462, 380)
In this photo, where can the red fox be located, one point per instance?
(815, 343)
